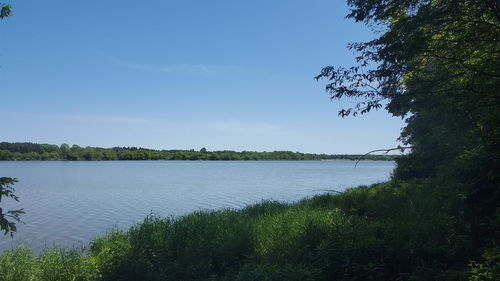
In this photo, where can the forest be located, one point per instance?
(32, 151)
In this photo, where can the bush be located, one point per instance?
(489, 268)
(57, 264)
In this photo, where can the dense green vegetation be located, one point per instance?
(436, 63)
(34, 151)
(8, 218)
(392, 231)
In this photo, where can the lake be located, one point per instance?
(70, 203)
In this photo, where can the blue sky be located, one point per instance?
(220, 74)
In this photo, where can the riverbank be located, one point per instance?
(390, 231)
(26, 151)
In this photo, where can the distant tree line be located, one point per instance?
(35, 151)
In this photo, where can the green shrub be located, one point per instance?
(489, 268)
(110, 254)
(58, 264)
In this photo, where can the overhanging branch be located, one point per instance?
(401, 148)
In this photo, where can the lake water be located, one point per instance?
(70, 203)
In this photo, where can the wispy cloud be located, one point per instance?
(130, 65)
(200, 69)
(151, 125)
(246, 128)
(191, 69)
(108, 119)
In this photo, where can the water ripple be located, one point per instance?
(70, 203)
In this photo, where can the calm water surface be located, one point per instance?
(70, 203)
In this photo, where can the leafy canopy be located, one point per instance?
(426, 49)
(435, 63)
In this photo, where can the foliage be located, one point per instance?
(435, 63)
(109, 253)
(54, 264)
(5, 10)
(9, 219)
(15, 265)
(34, 151)
(489, 269)
(355, 235)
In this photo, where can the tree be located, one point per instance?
(9, 219)
(436, 64)
(5, 10)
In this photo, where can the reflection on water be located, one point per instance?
(70, 203)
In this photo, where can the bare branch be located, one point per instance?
(401, 148)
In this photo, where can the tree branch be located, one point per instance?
(401, 148)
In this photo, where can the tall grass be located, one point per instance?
(54, 264)
(392, 231)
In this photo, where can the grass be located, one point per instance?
(391, 231)
(54, 264)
